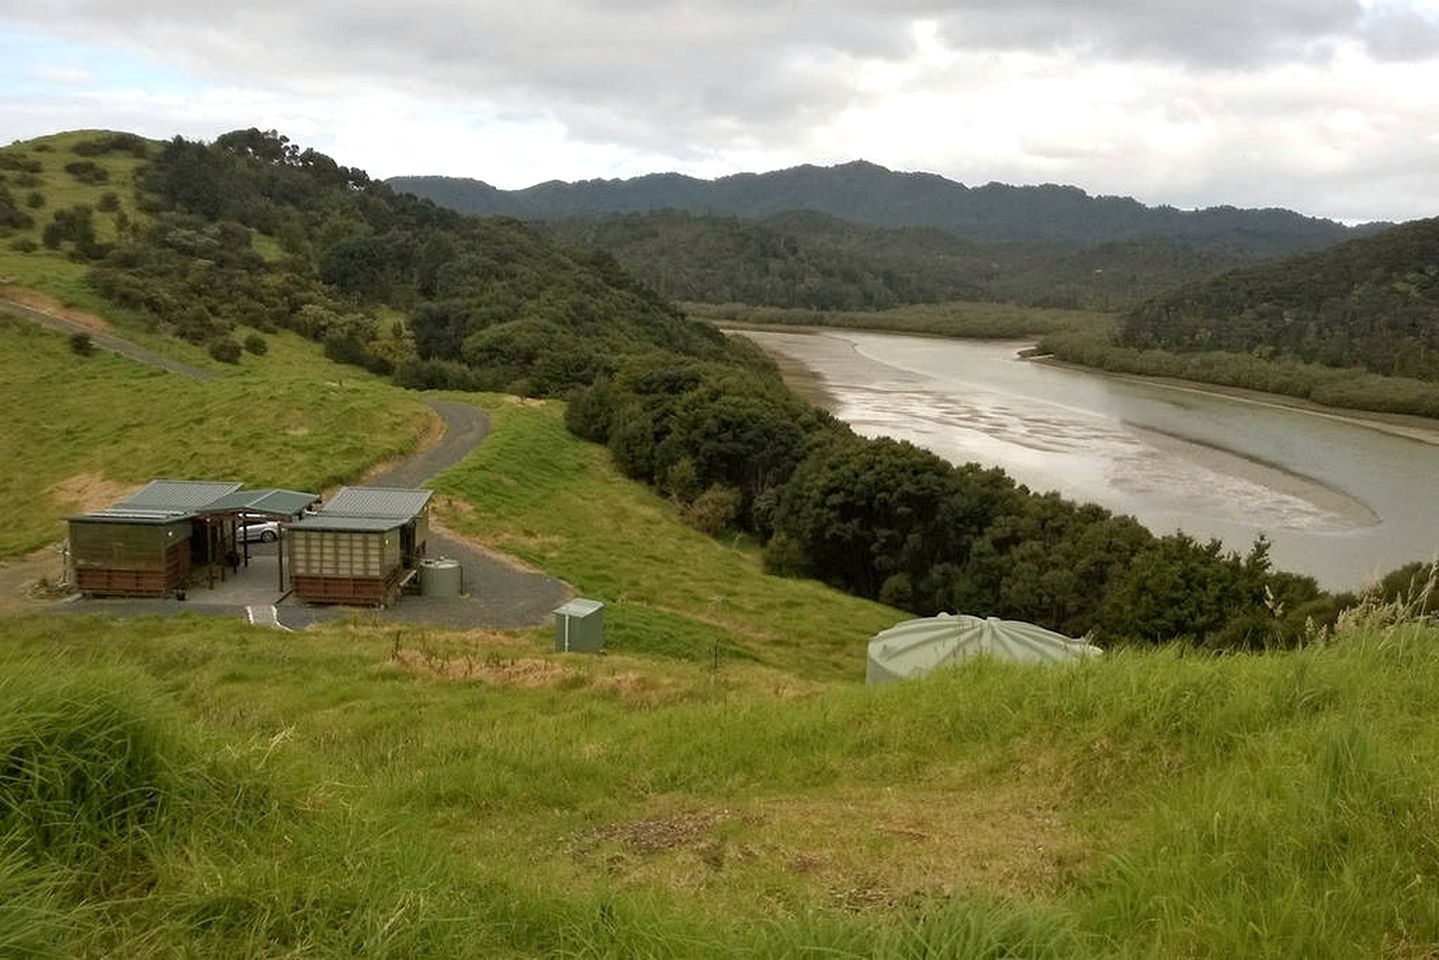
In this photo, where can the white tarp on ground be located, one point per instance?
(914, 647)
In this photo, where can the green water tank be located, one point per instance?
(441, 577)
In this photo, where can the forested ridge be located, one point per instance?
(250, 232)
(870, 194)
(1371, 303)
(860, 237)
(804, 259)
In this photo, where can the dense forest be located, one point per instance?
(866, 193)
(860, 237)
(803, 259)
(1370, 303)
(249, 233)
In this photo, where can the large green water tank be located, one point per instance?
(441, 577)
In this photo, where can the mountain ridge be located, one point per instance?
(871, 194)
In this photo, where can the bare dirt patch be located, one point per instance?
(45, 303)
(89, 491)
(859, 848)
(652, 835)
(22, 581)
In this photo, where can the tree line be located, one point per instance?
(887, 520)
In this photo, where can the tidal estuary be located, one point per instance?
(1341, 499)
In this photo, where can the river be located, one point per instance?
(1341, 499)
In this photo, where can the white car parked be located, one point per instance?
(252, 529)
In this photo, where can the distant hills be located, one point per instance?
(1371, 302)
(867, 193)
(810, 260)
(859, 236)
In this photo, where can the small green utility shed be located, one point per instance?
(580, 626)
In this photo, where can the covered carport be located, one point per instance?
(283, 506)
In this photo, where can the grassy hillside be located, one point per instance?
(84, 429)
(536, 492)
(351, 791)
(37, 167)
(200, 787)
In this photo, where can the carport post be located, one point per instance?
(280, 554)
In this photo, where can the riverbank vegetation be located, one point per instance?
(191, 786)
(990, 321)
(889, 521)
(1351, 388)
(1355, 326)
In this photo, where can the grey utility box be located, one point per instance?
(580, 626)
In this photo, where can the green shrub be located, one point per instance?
(109, 202)
(713, 511)
(19, 162)
(87, 171)
(256, 344)
(35, 200)
(225, 350)
(81, 344)
(123, 142)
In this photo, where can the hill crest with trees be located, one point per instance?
(1371, 302)
(870, 194)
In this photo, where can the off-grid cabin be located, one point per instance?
(144, 545)
(360, 547)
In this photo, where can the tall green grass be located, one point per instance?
(340, 802)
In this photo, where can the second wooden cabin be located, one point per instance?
(360, 547)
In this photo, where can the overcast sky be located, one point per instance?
(1330, 107)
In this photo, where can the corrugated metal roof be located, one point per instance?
(579, 607)
(123, 515)
(321, 521)
(280, 503)
(397, 503)
(178, 494)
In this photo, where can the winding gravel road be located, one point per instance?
(105, 341)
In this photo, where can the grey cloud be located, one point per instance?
(672, 68)
(701, 81)
(1401, 34)
(680, 67)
